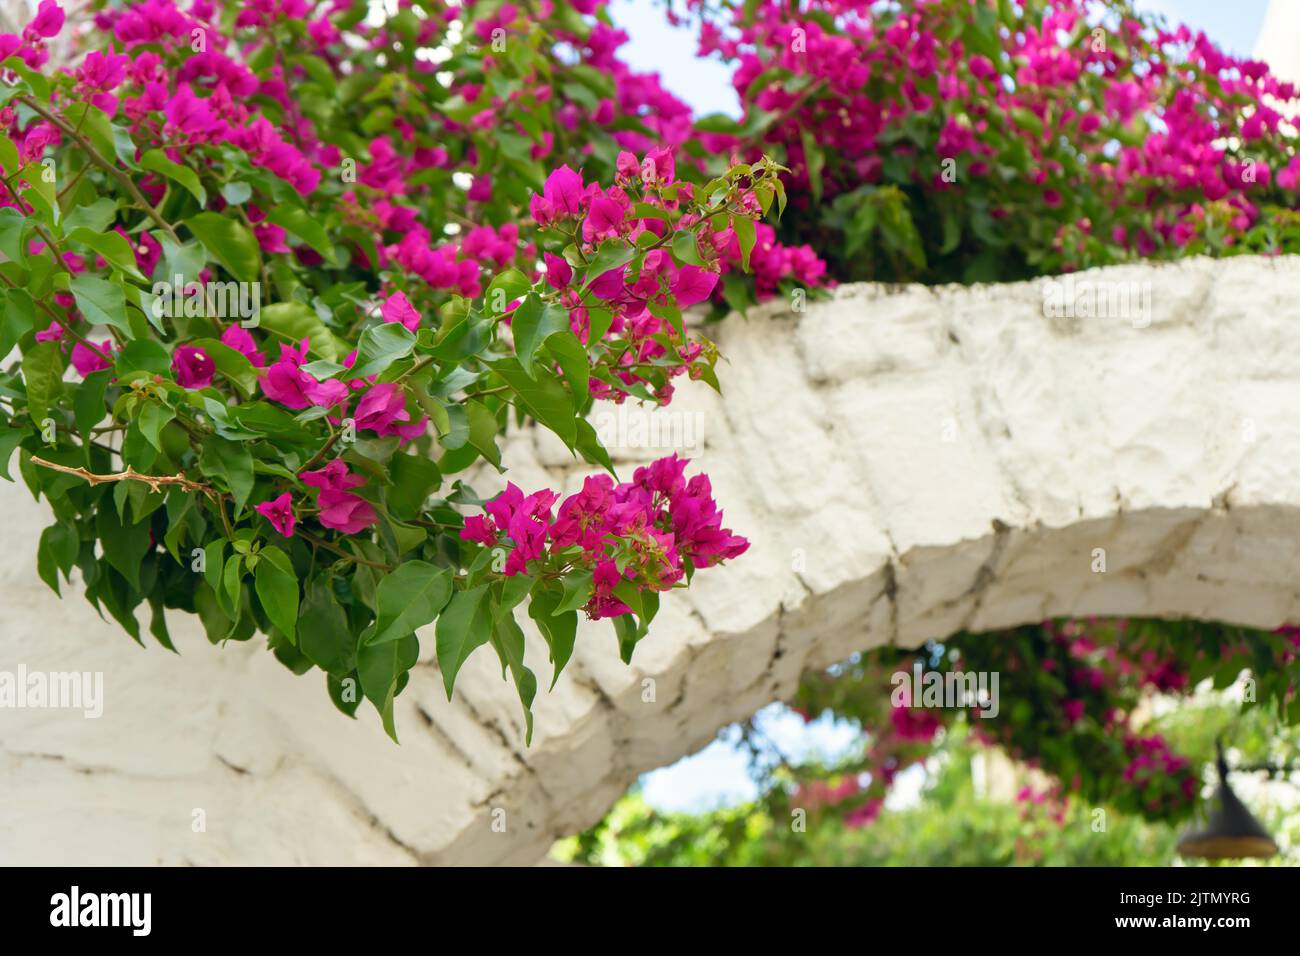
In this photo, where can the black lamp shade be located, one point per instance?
(1231, 833)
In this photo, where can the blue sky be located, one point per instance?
(717, 775)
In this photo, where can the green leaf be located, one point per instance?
(236, 193)
(57, 552)
(214, 563)
(343, 692)
(559, 629)
(186, 260)
(509, 641)
(382, 669)
(9, 440)
(504, 289)
(112, 246)
(459, 339)
(124, 545)
(379, 347)
(230, 461)
(1027, 119)
(543, 397)
(323, 632)
(230, 243)
(464, 625)
(17, 317)
(626, 629)
(12, 226)
(457, 433)
(156, 161)
(571, 355)
(158, 623)
(9, 158)
(610, 255)
(409, 598)
(182, 517)
(293, 322)
(101, 302)
(686, 249)
(414, 479)
(94, 125)
(747, 235)
(299, 222)
(483, 431)
(43, 375)
(143, 355)
(152, 417)
(40, 191)
(577, 592)
(232, 577)
(96, 216)
(277, 589)
(532, 324)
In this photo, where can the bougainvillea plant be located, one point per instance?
(1073, 703)
(279, 273)
(990, 140)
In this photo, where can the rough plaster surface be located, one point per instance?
(906, 462)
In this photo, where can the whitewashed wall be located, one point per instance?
(907, 463)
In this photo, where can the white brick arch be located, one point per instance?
(907, 463)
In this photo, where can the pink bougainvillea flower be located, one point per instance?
(271, 238)
(333, 477)
(279, 512)
(345, 512)
(914, 723)
(397, 308)
(864, 814)
(191, 115)
(666, 476)
(86, 360)
(480, 529)
(47, 22)
(604, 221)
(99, 73)
(238, 338)
(603, 604)
(194, 368)
(383, 410)
(581, 518)
(147, 249)
(102, 71)
(692, 285)
(52, 333)
(558, 272)
(563, 191)
(627, 167)
(529, 537)
(658, 168)
(285, 381)
(339, 508)
(543, 212)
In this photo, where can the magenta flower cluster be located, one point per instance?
(649, 531)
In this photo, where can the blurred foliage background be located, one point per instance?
(957, 821)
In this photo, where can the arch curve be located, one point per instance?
(907, 463)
